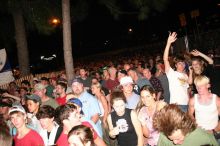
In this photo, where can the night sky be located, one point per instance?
(100, 32)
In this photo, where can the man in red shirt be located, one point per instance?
(24, 136)
(68, 117)
(61, 91)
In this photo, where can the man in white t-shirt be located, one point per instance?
(178, 79)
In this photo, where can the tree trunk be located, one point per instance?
(67, 45)
(21, 41)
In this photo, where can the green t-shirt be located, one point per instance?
(196, 138)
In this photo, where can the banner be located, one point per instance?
(6, 75)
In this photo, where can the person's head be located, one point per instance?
(127, 85)
(148, 97)
(179, 63)
(23, 91)
(82, 73)
(174, 123)
(147, 73)
(67, 115)
(33, 103)
(80, 136)
(118, 102)
(197, 65)
(96, 88)
(44, 81)
(40, 90)
(4, 108)
(5, 137)
(202, 84)
(77, 86)
(61, 88)
(77, 103)
(46, 116)
(112, 71)
(127, 67)
(25, 83)
(121, 73)
(132, 73)
(17, 116)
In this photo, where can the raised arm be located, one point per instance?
(172, 38)
(207, 58)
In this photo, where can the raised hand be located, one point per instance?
(195, 52)
(172, 37)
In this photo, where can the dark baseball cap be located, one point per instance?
(77, 80)
(33, 97)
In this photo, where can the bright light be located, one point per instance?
(130, 30)
(54, 21)
(42, 57)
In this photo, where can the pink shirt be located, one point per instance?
(154, 135)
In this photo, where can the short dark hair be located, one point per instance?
(45, 111)
(117, 95)
(63, 85)
(62, 112)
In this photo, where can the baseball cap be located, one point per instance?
(123, 72)
(77, 80)
(44, 79)
(126, 80)
(17, 108)
(75, 101)
(39, 86)
(33, 97)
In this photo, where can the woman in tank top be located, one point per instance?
(123, 122)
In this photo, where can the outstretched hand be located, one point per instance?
(195, 52)
(172, 37)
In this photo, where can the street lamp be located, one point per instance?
(54, 21)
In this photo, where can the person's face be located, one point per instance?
(74, 140)
(4, 112)
(23, 92)
(147, 73)
(32, 106)
(44, 82)
(59, 89)
(18, 119)
(202, 89)
(40, 93)
(127, 67)
(120, 75)
(177, 137)
(82, 72)
(119, 107)
(77, 88)
(74, 117)
(94, 81)
(180, 66)
(46, 123)
(196, 65)
(94, 89)
(147, 98)
(127, 88)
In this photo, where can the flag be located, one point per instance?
(6, 75)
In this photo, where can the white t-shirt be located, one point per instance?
(178, 87)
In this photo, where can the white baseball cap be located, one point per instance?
(126, 80)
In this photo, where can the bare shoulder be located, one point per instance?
(160, 105)
(218, 101)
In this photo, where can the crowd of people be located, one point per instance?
(155, 101)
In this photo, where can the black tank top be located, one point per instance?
(127, 135)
